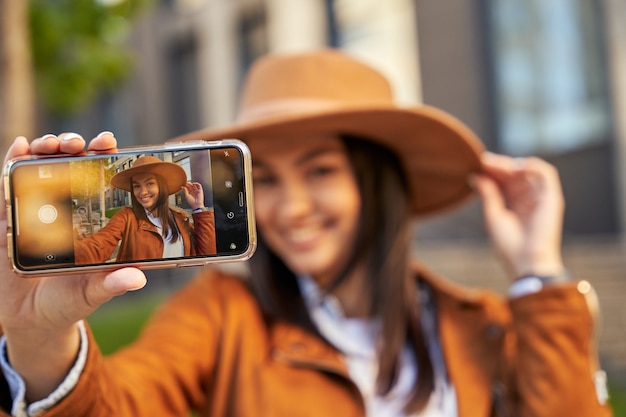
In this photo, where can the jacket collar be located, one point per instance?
(472, 326)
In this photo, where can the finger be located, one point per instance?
(45, 145)
(19, 147)
(539, 171)
(493, 200)
(83, 294)
(71, 143)
(498, 162)
(123, 280)
(105, 142)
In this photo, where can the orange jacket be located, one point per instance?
(141, 240)
(210, 349)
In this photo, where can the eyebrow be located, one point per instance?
(133, 181)
(315, 153)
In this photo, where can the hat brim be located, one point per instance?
(173, 174)
(438, 152)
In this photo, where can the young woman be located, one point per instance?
(151, 228)
(334, 318)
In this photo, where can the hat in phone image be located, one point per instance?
(327, 91)
(173, 174)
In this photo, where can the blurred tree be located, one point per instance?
(17, 115)
(70, 50)
(88, 184)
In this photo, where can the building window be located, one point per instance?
(549, 71)
(183, 86)
(253, 42)
(382, 33)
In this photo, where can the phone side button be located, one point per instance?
(10, 243)
(186, 265)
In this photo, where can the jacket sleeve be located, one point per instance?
(160, 374)
(204, 233)
(556, 368)
(6, 401)
(98, 247)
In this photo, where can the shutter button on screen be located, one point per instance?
(47, 214)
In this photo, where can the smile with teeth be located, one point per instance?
(306, 235)
(145, 199)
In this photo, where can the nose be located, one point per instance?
(142, 189)
(295, 200)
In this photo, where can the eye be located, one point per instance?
(263, 180)
(263, 177)
(321, 171)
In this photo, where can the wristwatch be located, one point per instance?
(531, 283)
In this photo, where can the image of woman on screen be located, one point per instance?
(151, 228)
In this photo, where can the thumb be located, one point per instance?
(122, 280)
(114, 284)
(490, 194)
(73, 298)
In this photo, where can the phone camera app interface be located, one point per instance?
(229, 200)
(42, 208)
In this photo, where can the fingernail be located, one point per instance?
(71, 136)
(46, 137)
(106, 132)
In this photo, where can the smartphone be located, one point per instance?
(172, 205)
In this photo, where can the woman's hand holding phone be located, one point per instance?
(39, 316)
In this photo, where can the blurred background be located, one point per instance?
(542, 77)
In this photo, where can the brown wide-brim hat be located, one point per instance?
(173, 174)
(327, 91)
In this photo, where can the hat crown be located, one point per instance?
(173, 174)
(283, 84)
(145, 160)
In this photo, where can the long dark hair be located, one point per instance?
(168, 226)
(383, 243)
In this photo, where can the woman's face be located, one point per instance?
(307, 202)
(146, 190)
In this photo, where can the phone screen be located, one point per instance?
(130, 207)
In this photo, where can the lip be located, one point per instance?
(145, 201)
(305, 238)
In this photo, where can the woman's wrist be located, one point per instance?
(42, 358)
(560, 277)
(539, 266)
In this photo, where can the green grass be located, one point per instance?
(118, 324)
(110, 212)
(618, 399)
